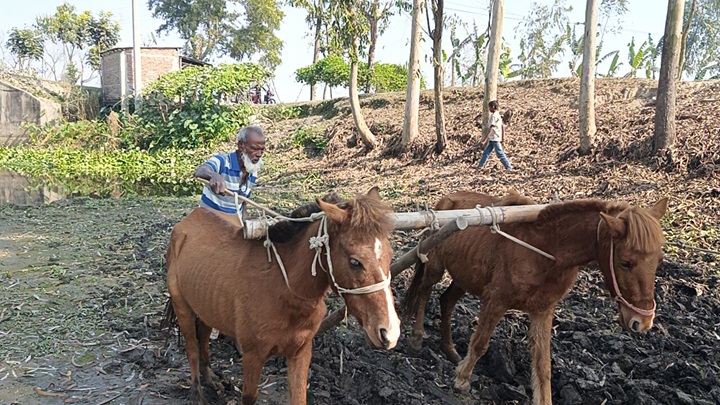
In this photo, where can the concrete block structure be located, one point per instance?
(117, 72)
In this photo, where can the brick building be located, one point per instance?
(117, 69)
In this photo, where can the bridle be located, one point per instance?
(616, 289)
(318, 242)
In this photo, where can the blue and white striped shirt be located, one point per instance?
(228, 166)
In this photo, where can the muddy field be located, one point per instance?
(83, 291)
(82, 281)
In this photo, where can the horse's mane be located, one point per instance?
(284, 231)
(644, 233)
(643, 230)
(370, 216)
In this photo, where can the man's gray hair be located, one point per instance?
(243, 134)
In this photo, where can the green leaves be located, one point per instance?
(334, 71)
(77, 33)
(241, 29)
(104, 172)
(25, 44)
(191, 107)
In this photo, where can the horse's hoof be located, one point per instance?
(212, 381)
(415, 345)
(197, 397)
(462, 385)
(452, 354)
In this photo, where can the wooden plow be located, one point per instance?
(442, 223)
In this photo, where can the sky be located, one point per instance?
(643, 17)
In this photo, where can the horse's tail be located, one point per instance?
(169, 319)
(410, 301)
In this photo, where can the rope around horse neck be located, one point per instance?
(318, 242)
(495, 228)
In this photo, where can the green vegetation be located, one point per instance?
(184, 116)
(334, 71)
(311, 138)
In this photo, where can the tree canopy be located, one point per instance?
(702, 50)
(241, 29)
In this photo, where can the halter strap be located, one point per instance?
(318, 242)
(616, 288)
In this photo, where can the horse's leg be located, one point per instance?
(186, 322)
(253, 360)
(209, 379)
(448, 300)
(488, 318)
(432, 274)
(298, 369)
(539, 334)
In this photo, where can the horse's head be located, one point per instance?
(630, 251)
(361, 254)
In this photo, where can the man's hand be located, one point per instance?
(217, 184)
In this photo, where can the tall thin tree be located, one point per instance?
(664, 136)
(493, 58)
(436, 34)
(587, 81)
(412, 100)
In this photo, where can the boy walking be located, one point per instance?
(494, 136)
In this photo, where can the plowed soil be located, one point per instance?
(83, 291)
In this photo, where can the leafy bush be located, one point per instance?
(80, 134)
(192, 107)
(101, 172)
(311, 138)
(276, 112)
(334, 71)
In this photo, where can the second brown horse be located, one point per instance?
(625, 240)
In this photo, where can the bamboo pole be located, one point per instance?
(404, 262)
(257, 228)
(451, 221)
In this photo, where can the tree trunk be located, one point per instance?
(316, 50)
(364, 132)
(452, 72)
(493, 60)
(683, 41)
(412, 100)
(587, 81)
(437, 34)
(664, 137)
(371, 51)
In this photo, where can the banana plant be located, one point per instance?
(644, 58)
(614, 63)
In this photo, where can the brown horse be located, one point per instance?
(626, 241)
(216, 279)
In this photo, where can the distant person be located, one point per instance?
(494, 136)
(235, 171)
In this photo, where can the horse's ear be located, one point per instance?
(374, 193)
(658, 210)
(333, 212)
(616, 225)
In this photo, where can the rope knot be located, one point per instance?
(317, 242)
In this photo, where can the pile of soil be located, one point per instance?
(83, 282)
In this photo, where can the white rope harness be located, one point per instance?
(322, 239)
(495, 228)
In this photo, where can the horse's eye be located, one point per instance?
(355, 263)
(626, 264)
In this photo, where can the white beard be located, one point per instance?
(249, 166)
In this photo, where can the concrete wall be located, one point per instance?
(16, 189)
(117, 73)
(18, 106)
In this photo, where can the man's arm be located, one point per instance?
(217, 183)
